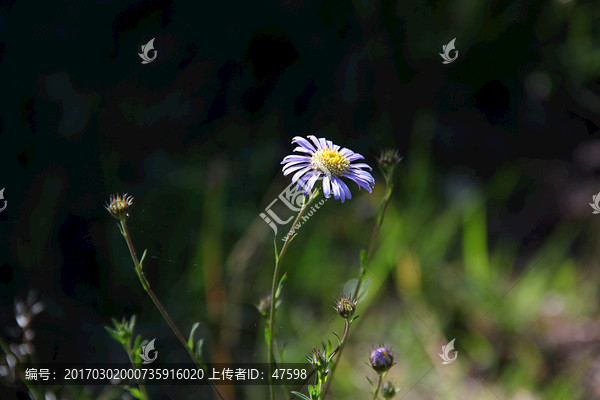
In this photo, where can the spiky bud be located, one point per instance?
(318, 360)
(381, 359)
(118, 206)
(389, 158)
(345, 307)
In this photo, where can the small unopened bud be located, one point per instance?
(381, 359)
(118, 206)
(389, 158)
(318, 360)
(388, 390)
(387, 161)
(264, 305)
(345, 307)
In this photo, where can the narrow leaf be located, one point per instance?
(142, 259)
(135, 393)
(363, 260)
(275, 249)
(371, 382)
(114, 335)
(363, 289)
(199, 345)
(280, 286)
(190, 342)
(302, 396)
(267, 334)
(132, 323)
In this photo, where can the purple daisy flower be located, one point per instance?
(323, 158)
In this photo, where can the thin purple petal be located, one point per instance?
(326, 187)
(336, 189)
(303, 150)
(295, 158)
(311, 182)
(288, 170)
(355, 157)
(315, 141)
(304, 143)
(362, 165)
(345, 189)
(298, 174)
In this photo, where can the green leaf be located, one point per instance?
(363, 289)
(190, 342)
(137, 349)
(275, 249)
(363, 260)
(142, 259)
(135, 393)
(131, 323)
(199, 345)
(267, 334)
(370, 382)
(302, 396)
(114, 335)
(280, 286)
(338, 338)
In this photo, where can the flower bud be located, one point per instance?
(389, 158)
(381, 359)
(118, 206)
(345, 307)
(388, 390)
(264, 305)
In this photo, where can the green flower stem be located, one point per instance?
(384, 205)
(278, 259)
(161, 309)
(339, 350)
(378, 386)
(140, 385)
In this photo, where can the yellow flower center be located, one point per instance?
(330, 162)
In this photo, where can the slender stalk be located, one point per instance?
(159, 306)
(374, 234)
(378, 386)
(286, 243)
(140, 385)
(373, 240)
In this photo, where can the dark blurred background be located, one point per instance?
(501, 160)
